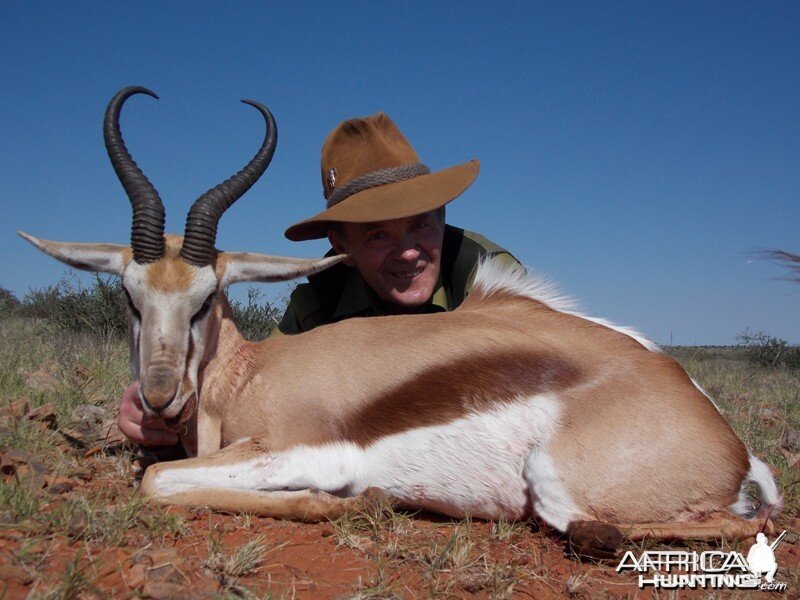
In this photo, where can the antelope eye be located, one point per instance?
(204, 308)
(131, 306)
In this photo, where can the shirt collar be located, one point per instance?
(358, 299)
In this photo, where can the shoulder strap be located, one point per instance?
(461, 252)
(327, 286)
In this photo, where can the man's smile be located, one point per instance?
(407, 274)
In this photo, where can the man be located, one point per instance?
(386, 211)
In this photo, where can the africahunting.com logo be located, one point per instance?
(679, 569)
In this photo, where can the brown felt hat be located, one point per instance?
(371, 173)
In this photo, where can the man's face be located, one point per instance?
(399, 259)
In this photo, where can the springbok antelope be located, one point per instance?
(511, 406)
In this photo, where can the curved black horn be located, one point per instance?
(147, 231)
(201, 223)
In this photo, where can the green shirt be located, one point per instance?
(341, 293)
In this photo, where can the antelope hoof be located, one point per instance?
(593, 539)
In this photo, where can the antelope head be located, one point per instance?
(170, 281)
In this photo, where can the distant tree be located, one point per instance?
(790, 261)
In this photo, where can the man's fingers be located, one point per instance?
(155, 423)
(131, 395)
(138, 427)
(146, 436)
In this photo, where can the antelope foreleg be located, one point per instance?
(246, 477)
(303, 505)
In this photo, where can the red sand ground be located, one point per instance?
(304, 561)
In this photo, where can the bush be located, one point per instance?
(768, 351)
(255, 320)
(99, 309)
(9, 303)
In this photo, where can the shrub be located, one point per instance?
(9, 303)
(768, 351)
(99, 309)
(256, 319)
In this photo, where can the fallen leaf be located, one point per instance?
(83, 474)
(17, 408)
(12, 459)
(83, 372)
(58, 485)
(77, 524)
(45, 414)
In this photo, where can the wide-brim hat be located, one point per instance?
(370, 173)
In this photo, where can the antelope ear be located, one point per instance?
(234, 267)
(105, 258)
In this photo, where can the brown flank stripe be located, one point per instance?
(443, 393)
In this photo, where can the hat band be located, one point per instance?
(376, 178)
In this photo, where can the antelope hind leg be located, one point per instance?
(595, 539)
(714, 526)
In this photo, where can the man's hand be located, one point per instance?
(139, 428)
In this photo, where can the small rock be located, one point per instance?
(42, 380)
(13, 573)
(792, 458)
(165, 573)
(771, 415)
(89, 412)
(136, 575)
(160, 556)
(791, 440)
(166, 591)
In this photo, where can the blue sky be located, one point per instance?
(637, 153)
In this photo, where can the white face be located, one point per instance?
(171, 309)
(168, 325)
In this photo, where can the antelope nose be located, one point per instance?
(158, 388)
